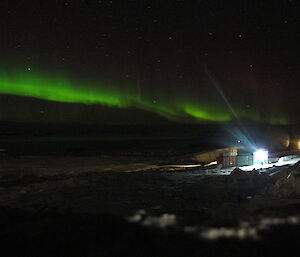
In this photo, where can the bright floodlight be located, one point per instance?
(260, 157)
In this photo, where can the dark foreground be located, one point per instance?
(68, 234)
(74, 207)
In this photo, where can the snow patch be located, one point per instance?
(162, 221)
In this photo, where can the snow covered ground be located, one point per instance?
(71, 206)
(283, 161)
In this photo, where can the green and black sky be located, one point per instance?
(187, 61)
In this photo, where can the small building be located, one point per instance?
(227, 158)
(273, 159)
(245, 159)
(227, 161)
(231, 152)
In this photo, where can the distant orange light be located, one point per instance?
(298, 145)
(287, 143)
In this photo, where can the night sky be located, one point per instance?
(148, 61)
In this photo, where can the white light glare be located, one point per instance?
(260, 157)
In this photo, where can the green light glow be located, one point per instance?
(61, 89)
(206, 114)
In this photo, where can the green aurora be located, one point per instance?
(61, 89)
